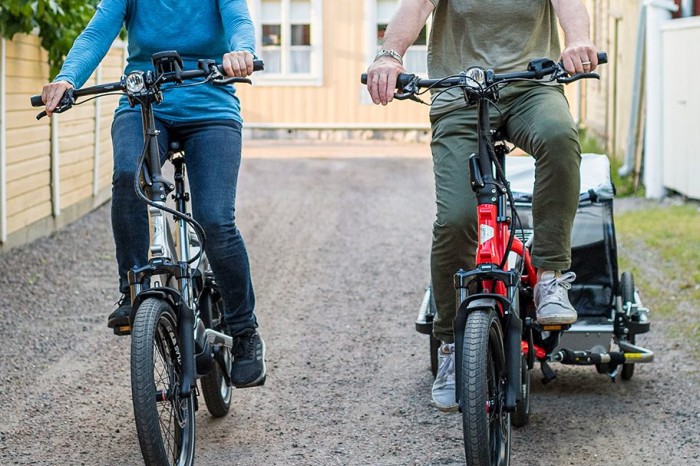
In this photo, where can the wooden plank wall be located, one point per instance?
(31, 188)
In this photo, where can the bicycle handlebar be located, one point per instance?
(537, 69)
(120, 86)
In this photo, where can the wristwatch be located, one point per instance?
(389, 53)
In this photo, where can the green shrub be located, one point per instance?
(58, 23)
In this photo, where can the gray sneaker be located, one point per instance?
(552, 300)
(443, 391)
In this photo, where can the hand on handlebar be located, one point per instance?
(52, 93)
(579, 57)
(238, 64)
(381, 79)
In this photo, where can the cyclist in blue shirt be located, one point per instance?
(205, 119)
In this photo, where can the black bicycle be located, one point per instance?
(177, 331)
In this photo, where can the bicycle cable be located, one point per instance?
(199, 231)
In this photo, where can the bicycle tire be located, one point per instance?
(164, 421)
(627, 295)
(217, 393)
(486, 426)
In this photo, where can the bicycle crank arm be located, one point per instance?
(218, 338)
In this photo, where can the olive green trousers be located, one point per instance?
(537, 119)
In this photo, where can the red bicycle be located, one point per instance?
(497, 337)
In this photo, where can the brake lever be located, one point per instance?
(569, 79)
(66, 103)
(408, 92)
(230, 80)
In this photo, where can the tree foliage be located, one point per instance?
(57, 22)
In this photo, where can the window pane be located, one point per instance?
(300, 11)
(381, 29)
(272, 59)
(271, 11)
(300, 61)
(415, 60)
(385, 9)
(301, 34)
(271, 35)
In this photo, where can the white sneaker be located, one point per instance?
(443, 390)
(552, 299)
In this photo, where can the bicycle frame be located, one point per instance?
(496, 278)
(171, 262)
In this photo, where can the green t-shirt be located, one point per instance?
(503, 35)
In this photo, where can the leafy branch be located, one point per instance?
(57, 22)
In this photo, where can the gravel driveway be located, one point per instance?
(339, 248)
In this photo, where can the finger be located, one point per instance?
(568, 64)
(237, 65)
(226, 63)
(593, 58)
(373, 87)
(383, 89)
(249, 63)
(585, 64)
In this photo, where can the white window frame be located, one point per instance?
(315, 76)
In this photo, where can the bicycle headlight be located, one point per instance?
(135, 83)
(475, 77)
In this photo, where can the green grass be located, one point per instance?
(667, 239)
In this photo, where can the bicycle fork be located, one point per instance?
(507, 307)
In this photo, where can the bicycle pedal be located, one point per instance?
(123, 330)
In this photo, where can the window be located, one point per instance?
(415, 58)
(289, 40)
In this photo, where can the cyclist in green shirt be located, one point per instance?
(503, 35)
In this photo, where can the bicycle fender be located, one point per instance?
(171, 296)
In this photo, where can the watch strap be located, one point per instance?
(389, 53)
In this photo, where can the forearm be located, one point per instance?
(573, 19)
(93, 43)
(406, 24)
(238, 25)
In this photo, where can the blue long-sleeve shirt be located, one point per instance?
(195, 29)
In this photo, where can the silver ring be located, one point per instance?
(585, 63)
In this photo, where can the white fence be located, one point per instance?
(680, 41)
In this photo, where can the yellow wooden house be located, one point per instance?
(51, 173)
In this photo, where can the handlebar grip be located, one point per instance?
(258, 65)
(37, 101)
(402, 80)
(602, 58)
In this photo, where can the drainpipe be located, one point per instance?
(3, 143)
(636, 107)
(658, 12)
(686, 8)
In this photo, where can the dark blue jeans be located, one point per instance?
(213, 158)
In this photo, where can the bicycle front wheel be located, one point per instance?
(164, 420)
(486, 425)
